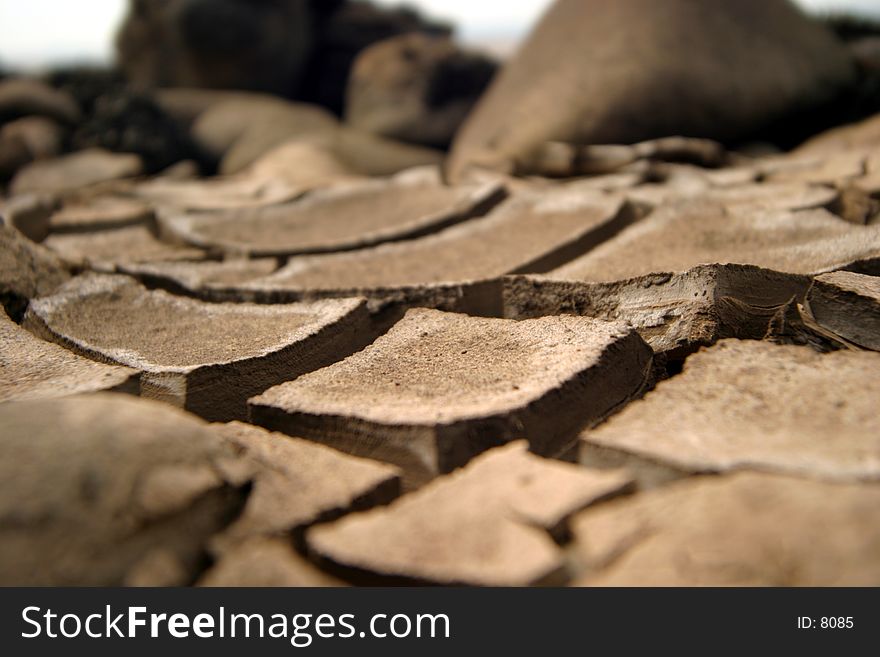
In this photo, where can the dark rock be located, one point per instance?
(129, 122)
(300, 49)
(220, 44)
(344, 33)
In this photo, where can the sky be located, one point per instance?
(38, 32)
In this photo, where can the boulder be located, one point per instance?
(595, 72)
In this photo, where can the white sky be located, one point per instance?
(34, 32)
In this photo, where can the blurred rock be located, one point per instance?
(281, 175)
(198, 278)
(105, 250)
(183, 170)
(86, 84)
(27, 139)
(343, 31)
(24, 97)
(235, 129)
(220, 44)
(14, 154)
(745, 529)
(867, 52)
(100, 213)
(849, 27)
(43, 138)
(293, 48)
(239, 130)
(416, 87)
(599, 72)
(75, 171)
(124, 121)
(864, 134)
(119, 118)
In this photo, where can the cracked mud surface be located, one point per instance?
(340, 362)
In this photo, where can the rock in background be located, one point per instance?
(300, 49)
(597, 72)
(416, 88)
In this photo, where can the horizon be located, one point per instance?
(44, 33)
